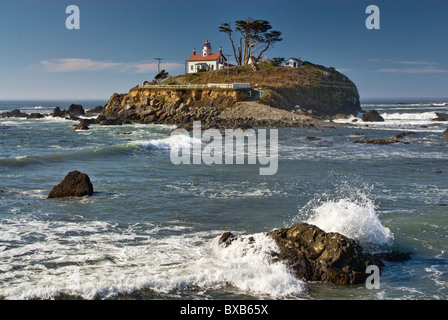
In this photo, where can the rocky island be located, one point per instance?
(275, 96)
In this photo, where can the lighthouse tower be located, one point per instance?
(207, 50)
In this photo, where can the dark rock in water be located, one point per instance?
(111, 122)
(375, 141)
(311, 138)
(445, 134)
(84, 124)
(35, 116)
(75, 184)
(397, 136)
(315, 255)
(95, 111)
(16, 113)
(438, 119)
(227, 238)
(76, 110)
(57, 112)
(372, 116)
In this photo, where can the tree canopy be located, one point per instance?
(255, 39)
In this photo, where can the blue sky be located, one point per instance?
(115, 47)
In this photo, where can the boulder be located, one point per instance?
(75, 184)
(376, 141)
(16, 113)
(372, 116)
(84, 124)
(57, 112)
(438, 119)
(76, 110)
(445, 134)
(35, 116)
(315, 255)
(95, 111)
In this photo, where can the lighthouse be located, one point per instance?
(207, 50)
(207, 61)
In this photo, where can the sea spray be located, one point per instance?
(355, 220)
(348, 210)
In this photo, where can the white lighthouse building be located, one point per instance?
(207, 60)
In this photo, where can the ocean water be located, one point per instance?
(150, 230)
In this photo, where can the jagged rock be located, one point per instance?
(35, 116)
(57, 112)
(76, 110)
(95, 111)
(16, 113)
(84, 124)
(438, 119)
(315, 255)
(75, 184)
(372, 116)
(375, 141)
(111, 122)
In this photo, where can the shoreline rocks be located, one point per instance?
(315, 255)
(372, 116)
(75, 184)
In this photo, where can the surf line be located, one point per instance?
(236, 147)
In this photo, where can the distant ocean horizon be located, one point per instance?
(150, 230)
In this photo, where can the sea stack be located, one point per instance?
(75, 184)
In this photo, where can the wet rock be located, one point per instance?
(57, 112)
(375, 141)
(95, 111)
(372, 116)
(438, 119)
(16, 113)
(315, 255)
(75, 184)
(445, 134)
(35, 116)
(76, 110)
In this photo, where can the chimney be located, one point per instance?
(194, 51)
(220, 50)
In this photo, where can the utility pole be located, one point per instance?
(158, 64)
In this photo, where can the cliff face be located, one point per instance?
(318, 100)
(144, 99)
(310, 89)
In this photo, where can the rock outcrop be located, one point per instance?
(315, 255)
(16, 113)
(76, 110)
(372, 116)
(75, 184)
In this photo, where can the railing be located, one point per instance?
(196, 86)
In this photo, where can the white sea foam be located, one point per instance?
(174, 141)
(355, 219)
(42, 259)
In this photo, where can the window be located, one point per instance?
(191, 67)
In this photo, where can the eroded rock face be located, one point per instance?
(372, 116)
(75, 184)
(315, 255)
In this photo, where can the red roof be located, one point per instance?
(200, 57)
